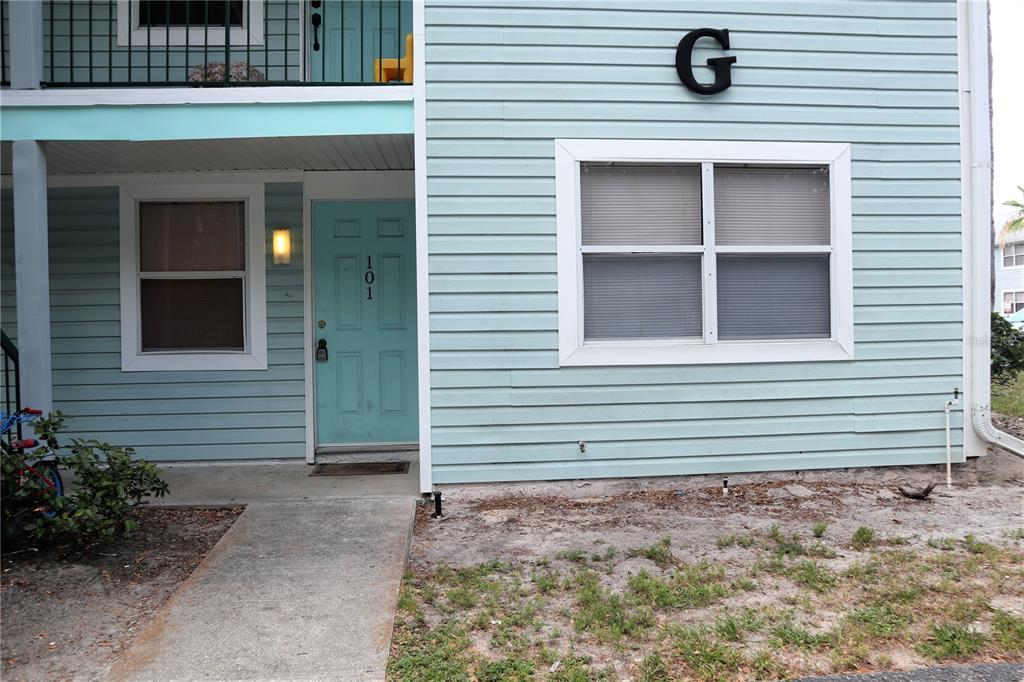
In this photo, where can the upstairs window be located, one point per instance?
(1013, 301)
(199, 23)
(669, 255)
(1013, 255)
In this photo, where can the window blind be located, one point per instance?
(193, 236)
(641, 296)
(640, 204)
(773, 297)
(192, 314)
(771, 206)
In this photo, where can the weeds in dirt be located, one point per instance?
(742, 540)
(951, 641)
(932, 600)
(605, 614)
(863, 537)
(659, 552)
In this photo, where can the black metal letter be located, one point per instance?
(722, 66)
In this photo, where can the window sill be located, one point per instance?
(698, 353)
(184, 362)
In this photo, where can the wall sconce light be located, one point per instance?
(282, 246)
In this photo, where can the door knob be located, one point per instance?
(316, 28)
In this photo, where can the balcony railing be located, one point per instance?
(218, 43)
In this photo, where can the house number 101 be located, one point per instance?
(368, 277)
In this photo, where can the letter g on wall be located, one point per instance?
(722, 66)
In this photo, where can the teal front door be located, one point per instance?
(364, 301)
(344, 37)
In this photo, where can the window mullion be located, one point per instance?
(710, 283)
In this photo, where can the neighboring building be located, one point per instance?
(514, 234)
(1009, 269)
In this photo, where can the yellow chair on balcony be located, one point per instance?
(391, 69)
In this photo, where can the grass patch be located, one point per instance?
(789, 633)
(785, 545)
(692, 585)
(1009, 399)
(951, 641)
(880, 620)
(654, 669)
(576, 556)
(506, 670)
(812, 575)
(945, 544)
(660, 552)
(437, 655)
(708, 658)
(733, 626)
(863, 537)
(744, 540)
(605, 614)
(818, 529)
(1008, 631)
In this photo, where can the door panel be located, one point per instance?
(351, 37)
(365, 309)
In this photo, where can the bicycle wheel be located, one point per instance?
(52, 475)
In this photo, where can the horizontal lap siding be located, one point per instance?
(165, 415)
(504, 79)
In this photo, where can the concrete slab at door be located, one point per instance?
(364, 296)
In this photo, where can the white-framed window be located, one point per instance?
(1013, 301)
(189, 22)
(193, 277)
(1013, 255)
(678, 252)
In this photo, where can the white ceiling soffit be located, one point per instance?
(364, 152)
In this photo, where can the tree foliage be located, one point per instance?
(1007, 351)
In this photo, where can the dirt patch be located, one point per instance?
(67, 615)
(673, 579)
(1011, 425)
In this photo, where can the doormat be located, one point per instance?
(359, 468)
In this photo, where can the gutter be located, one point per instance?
(976, 195)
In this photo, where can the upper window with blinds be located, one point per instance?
(740, 257)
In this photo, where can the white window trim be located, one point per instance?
(198, 37)
(254, 357)
(571, 347)
(1015, 248)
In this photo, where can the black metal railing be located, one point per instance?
(5, 76)
(217, 43)
(12, 378)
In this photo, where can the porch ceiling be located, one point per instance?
(327, 153)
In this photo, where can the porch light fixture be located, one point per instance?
(282, 246)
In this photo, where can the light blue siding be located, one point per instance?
(165, 415)
(504, 79)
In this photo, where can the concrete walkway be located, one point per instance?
(993, 672)
(295, 590)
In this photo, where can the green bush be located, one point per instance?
(108, 483)
(1007, 351)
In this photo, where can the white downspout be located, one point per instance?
(976, 194)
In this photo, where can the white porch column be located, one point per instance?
(26, 41)
(32, 273)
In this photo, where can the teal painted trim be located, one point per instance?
(205, 121)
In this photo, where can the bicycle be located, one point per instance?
(35, 484)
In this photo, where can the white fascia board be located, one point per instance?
(78, 97)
